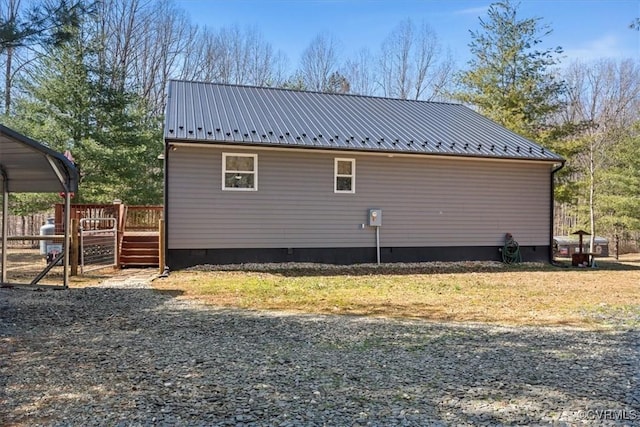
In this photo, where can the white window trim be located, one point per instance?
(254, 171)
(336, 175)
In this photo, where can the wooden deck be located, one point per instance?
(138, 229)
(140, 249)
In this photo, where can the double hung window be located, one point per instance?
(239, 172)
(344, 176)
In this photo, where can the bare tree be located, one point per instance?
(142, 44)
(234, 55)
(411, 63)
(160, 56)
(189, 63)
(319, 60)
(246, 58)
(266, 67)
(604, 97)
(361, 72)
(395, 57)
(440, 81)
(119, 26)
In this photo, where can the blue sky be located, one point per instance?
(586, 29)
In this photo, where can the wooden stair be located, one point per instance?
(140, 249)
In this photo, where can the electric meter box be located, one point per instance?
(375, 217)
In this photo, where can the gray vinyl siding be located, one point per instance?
(424, 201)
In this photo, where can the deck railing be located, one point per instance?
(85, 211)
(128, 218)
(143, 218)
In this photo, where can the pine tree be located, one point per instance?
(510, 78)
(45, 24)
(113, 138)
(619, 202)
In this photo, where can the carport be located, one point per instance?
(27, 166)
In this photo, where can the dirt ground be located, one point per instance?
(24, 264)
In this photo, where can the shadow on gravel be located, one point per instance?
(99, 356)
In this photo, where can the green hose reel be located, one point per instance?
(511, 250)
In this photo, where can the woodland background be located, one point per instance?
(90, 77)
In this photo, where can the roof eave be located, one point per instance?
(248, 145)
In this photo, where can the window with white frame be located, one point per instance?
(239, 172)
(345, 176)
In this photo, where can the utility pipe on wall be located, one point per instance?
(378, 244)
(375, 220)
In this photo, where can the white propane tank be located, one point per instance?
(49, 229)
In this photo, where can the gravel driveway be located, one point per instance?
(122, 354)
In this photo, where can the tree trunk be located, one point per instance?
(592, 221)
(8, 82)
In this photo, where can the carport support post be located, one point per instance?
(67, 235)
(5, 222)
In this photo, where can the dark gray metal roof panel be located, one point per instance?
(27, 165)
(247, 115)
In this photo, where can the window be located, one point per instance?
(345, 176)
(239, 172)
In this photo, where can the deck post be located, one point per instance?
(161, 244)
(75, 245)
(121, 215)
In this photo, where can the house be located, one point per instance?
(256, 174)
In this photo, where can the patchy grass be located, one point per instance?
(528, 294)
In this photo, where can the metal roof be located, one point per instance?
(260, 116)
(574, 240)
(30, 167)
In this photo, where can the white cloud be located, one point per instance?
(472, 10)
(607, 46)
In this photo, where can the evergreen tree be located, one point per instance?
(112, 137)
(619, 202)
(49, 22)
(510, 78)
(337, 83)
(45, 24)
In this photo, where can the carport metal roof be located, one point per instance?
(27, 166)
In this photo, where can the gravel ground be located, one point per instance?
(122, 354)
